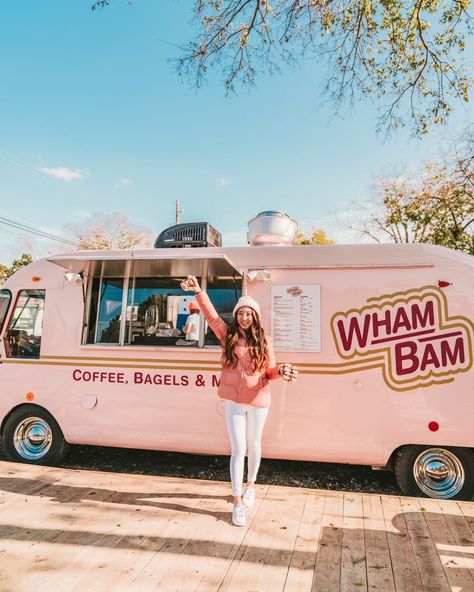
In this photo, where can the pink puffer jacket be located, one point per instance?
(240, 384)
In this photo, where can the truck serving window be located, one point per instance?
(105, 310)
(157, 310)
(23, 336)
(147, 307)
(5, 298)
(223, 293)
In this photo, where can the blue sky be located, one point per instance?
(93, 118)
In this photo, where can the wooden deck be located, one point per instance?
(64, 530)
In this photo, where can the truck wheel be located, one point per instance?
(440, 473)
(32, 435)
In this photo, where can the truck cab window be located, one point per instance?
(5, 298)
(23, 336)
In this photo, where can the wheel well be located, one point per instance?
(391, 461)
(13, 409)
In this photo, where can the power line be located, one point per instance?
(32, 230)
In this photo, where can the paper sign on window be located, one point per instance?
(296, 317)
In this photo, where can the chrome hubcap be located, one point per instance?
(32, 438)
(439, 473)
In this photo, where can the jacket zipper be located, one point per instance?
(242, 373)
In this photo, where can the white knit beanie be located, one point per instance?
(247, 301)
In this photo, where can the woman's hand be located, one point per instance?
(288, 372)
(190, 283)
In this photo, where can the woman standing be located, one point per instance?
(248, 364)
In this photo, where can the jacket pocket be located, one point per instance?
(263, 388)
(255, 382)
(251, 382)
(226, 390)
(228, 382)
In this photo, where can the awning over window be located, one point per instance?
(148, 263)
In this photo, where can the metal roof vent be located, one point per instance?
(190, 234)
(271, 228)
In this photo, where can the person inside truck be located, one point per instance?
(248, 365)
(191, 327)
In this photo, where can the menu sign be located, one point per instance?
(296, 317)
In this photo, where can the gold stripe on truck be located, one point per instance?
(201, 365)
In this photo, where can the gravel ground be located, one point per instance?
(276, 472)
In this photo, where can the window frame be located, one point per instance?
(129, 278)
(21, 292)
(7, 310)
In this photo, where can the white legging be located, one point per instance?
(244, 426)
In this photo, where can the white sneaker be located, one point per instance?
(238, 515)
(248, 499)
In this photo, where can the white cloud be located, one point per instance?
(82, 214)
(221, 182)
(63, 173)
(124, 183)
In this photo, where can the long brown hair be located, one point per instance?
(256, 341)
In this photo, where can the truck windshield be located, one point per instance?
(5, 298)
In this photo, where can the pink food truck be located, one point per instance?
(93, 352)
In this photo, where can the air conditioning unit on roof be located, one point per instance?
(190, 234)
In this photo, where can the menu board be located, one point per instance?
(296, 317)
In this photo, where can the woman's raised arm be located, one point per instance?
(208, 310)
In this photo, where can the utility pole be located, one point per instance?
(178, 211)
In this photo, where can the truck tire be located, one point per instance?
(435, 471)
(32, 435)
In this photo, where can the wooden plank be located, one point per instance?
(95, 528)
(104, 546)
(20, 523)
(83, 509)
(16, 485)
(28, 531)
(353, 557)
(284, 537)
(251, 570)
(182, 567)
(226, 550)
(460, 519)
(450, 553)
(193, 510)
(404, 566)
(379, 565)
(327, 572)
(303, 560)
(431, 571)
(268, 547)
(94, 531)
(467, 510)
(140, 559)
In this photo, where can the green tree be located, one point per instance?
(437, 206)
(6, 272)
(316, 237)
(406, 53)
